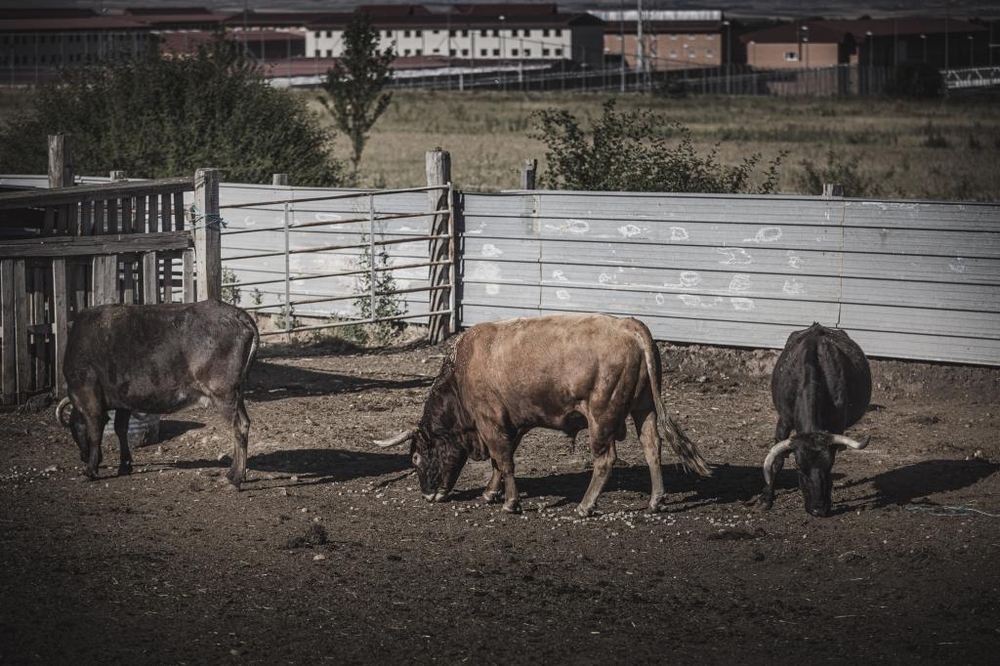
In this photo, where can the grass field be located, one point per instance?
(919, 150)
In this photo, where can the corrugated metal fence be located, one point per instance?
(907, 279)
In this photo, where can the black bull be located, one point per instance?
(820, 386)
(156, 359)
(565, 372)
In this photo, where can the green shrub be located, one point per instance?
(637, 151)
(845, 171)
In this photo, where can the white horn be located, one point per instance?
(394, 440)
(65, 402)
(782, 448)
(850, 443)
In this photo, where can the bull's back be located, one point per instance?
(557, 359)
(158, 358)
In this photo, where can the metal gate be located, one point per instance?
(314, 260)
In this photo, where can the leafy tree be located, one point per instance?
(637, 151)
(356, 82)
(387, 302)
(154, 117)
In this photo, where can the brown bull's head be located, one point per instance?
(814, 457)
(437, 460)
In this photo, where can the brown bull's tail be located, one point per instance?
(685, 449)
(679, 442)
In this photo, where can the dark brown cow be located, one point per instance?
(565, 372)
(156, 359)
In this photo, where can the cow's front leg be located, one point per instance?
(93, 428)
(492, 492)
(604, 459)
(121, 431)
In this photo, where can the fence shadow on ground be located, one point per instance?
(274, 381)
(310, 466)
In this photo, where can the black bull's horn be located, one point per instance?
(395, 440)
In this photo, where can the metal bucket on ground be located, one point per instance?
(143, 429)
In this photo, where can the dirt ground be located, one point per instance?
(330, 554)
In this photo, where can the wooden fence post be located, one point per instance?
(528, 174)
(438, 166)
(207, 237)
(60, 161)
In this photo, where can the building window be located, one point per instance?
(709, 53)
(484, 33)
(436, 51)
(791, 56)
(318, 35)
(513, 52)
(452, 53)
(317, 53)
(496, 33)
(545, 32)
(482, 52)
(406, 52)
(558, 32)
(545, 53)
(418, 52)
(329, 34)
(496, 52)
(527, 33)
(406, 33)
(691, 53)
(329, 53)
(465, 52)
(673, 38)
(673, 54)
(527, 53)
(451, 33)
(388, 33)
(559, 52)
(465, 33)
(434, 32)
(417, 33)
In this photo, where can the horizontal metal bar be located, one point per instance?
(349, 195)
(355, 322)
(331, 248)
(316, 276)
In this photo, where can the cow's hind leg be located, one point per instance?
(652, 446)
(602, 444)
(237, 415)
(93, 429)
(122, 417)
(492, 492)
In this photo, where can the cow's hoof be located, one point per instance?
(513, 506)
(235, 479)
(584, 511)
(91, 474)
(492, 496)
(125, 469)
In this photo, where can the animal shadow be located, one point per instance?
(924, 479)
(313, 466)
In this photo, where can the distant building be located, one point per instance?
(665, 39)
(499, 33)
(939, 42)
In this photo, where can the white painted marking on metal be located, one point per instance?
(678, 234)
(328, 217)
(693, 301)
(558, 275)
(629, 230)
(794, 260)
(490, 250)
(740, 283)
(604, 278)
(735, 255)
(742, 304)
(765, 235)
(793, 287)
(573, 226)
(659, 299)
(562, 294)
(686, 280)
(958, 266)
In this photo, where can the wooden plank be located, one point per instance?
(178, 211)
(100, 217)
(68, 195)
(37, 340)
(154, 214)
(8, 348)
(168, 279)
(166, 213)
(207, 234)
(150, 278)
(81, 286)
(187, 279)
(105, 279)
(20, 338)
(92, 245)
(128, 217)
(114, 213)
(86, 218)
(60, 323)
(49, 222)
(140, 215)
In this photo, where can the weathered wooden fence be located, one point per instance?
(907, 279)
(67, 248)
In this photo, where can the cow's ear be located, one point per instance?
(63, 411)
